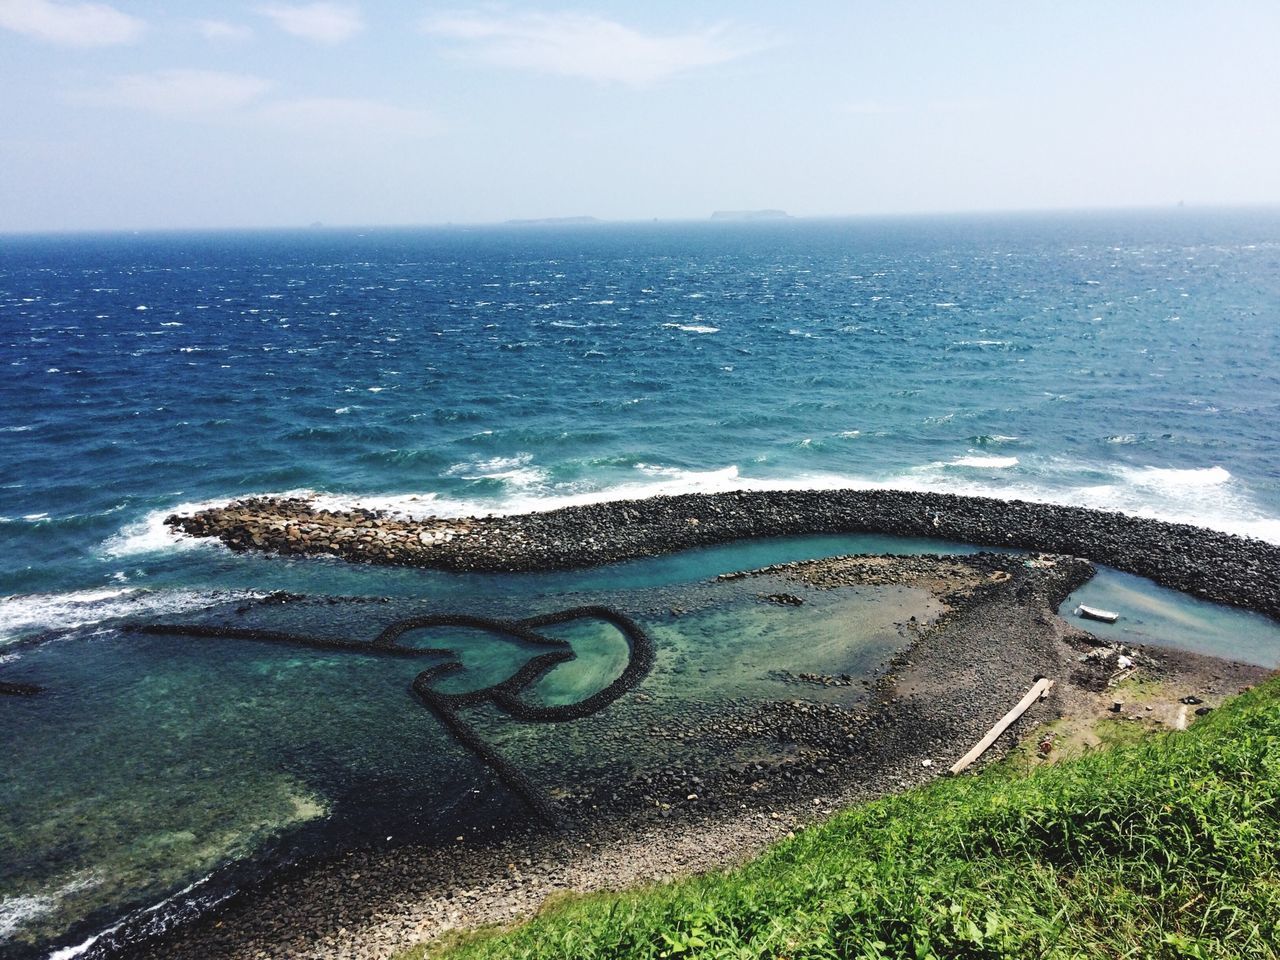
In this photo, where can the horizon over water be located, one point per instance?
(1113, 360)
(1123, 361)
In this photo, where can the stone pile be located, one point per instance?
(1207, 563)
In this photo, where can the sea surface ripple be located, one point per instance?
(1122, 361)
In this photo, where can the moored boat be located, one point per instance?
(1094, 613)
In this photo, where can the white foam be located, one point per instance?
(1204, 497)
(986, 463)
(658, 481)
(692, 327)
(519, 478)
(70, 953)
(494, 466)
(18, 911)
(15, 912)
(1207, 497)
(27, 613)
(1216, 505)
(1173, 478)
(151, 535)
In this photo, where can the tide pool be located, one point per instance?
(152, 761)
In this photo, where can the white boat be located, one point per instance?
(1093, 613)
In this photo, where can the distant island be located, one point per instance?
(751, 215)
(552, 221)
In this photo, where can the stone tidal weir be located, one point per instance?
(659, 720)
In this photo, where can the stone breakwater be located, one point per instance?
(1206, 563)
(738, 773)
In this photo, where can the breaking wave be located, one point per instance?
(1208, 497)
(24, 614)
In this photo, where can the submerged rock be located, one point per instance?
(19, 689)
(783, 599)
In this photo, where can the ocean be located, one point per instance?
(1124, 361)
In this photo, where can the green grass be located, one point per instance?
(1165, 848)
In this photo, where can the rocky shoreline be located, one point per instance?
(959, 673)
(1216, 566)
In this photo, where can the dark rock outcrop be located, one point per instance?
(1209, 564)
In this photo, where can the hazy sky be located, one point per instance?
(134, 114)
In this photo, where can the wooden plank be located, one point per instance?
(1121, 677)
(1039, 690)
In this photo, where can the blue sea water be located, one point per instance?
(1119, 360)
(1124, 361)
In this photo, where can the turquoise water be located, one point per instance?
(1152, 614)
(152, 760)
(1117, 360)
(1123, 361)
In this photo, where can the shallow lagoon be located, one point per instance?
(151, 760)
(1157, 615)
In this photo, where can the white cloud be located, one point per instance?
(320, 22)
(222, 30)
(201, 94)
(583, 45)
(70, 24)
(346, 117)
(178, 92)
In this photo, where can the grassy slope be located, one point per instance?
(1165, 848)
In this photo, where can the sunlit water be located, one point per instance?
(1118, 361)
(1122, 361)
(152, 760)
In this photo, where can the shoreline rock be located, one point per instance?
(1216, 566)
(934, 699)
(943, 691)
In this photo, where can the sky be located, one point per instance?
(139, 114)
